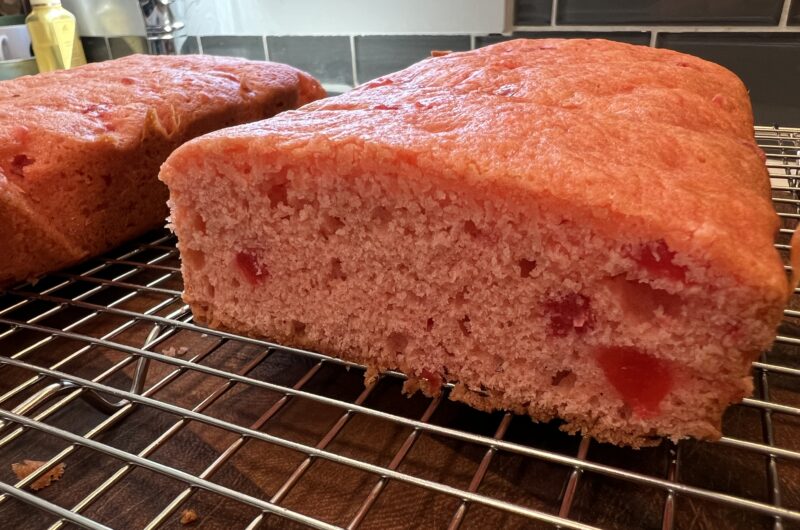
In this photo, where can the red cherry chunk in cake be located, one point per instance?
(641, 379)
(569, 313)
(253, 271)
(657, 259)
(433, 379)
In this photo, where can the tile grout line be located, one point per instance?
(784, 20)
(266, 47)
(108, 47)
(199, 44)
(471, 41)
(353, 59)
(509, 15)
(653, 38)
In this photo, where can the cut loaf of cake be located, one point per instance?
(578, 229)
(81, 148)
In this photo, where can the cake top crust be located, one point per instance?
(652, 138)
(111, 101)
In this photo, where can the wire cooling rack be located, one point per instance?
(103, 370)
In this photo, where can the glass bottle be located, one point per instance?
(54, 35)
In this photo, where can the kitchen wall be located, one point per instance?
(347, 42)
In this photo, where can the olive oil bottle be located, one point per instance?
(54, 35)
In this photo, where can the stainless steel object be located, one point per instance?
(17, 68)
(83, 352)
(161, 26)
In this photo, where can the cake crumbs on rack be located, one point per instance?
(188, 517)
(175, 352)
(26, 467)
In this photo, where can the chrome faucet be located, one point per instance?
(161, 26)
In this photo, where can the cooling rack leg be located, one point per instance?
(572, 483)
(773, 480)
(117, 414)
(170, 432)
(62, 305)
(142, 365)
(393, 465)
(137, 386)
(477, 478)
(668, 517)
(90, 396)
(40, 397)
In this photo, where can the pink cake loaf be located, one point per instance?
(577, 229)
(80, 149)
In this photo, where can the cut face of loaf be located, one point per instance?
(505, 266)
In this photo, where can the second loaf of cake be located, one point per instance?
(575, 229)
(81, 148)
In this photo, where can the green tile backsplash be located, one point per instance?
(378, 55)
(122, 46)
(769, 65)
(738, 12)
(326, 58)
(96, 49)
(249, 47)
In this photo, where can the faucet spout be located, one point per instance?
(161, 26)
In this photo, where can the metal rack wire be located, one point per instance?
(102, 368)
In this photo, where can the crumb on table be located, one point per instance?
(188, 517)
(26, 467)
(172, 351)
